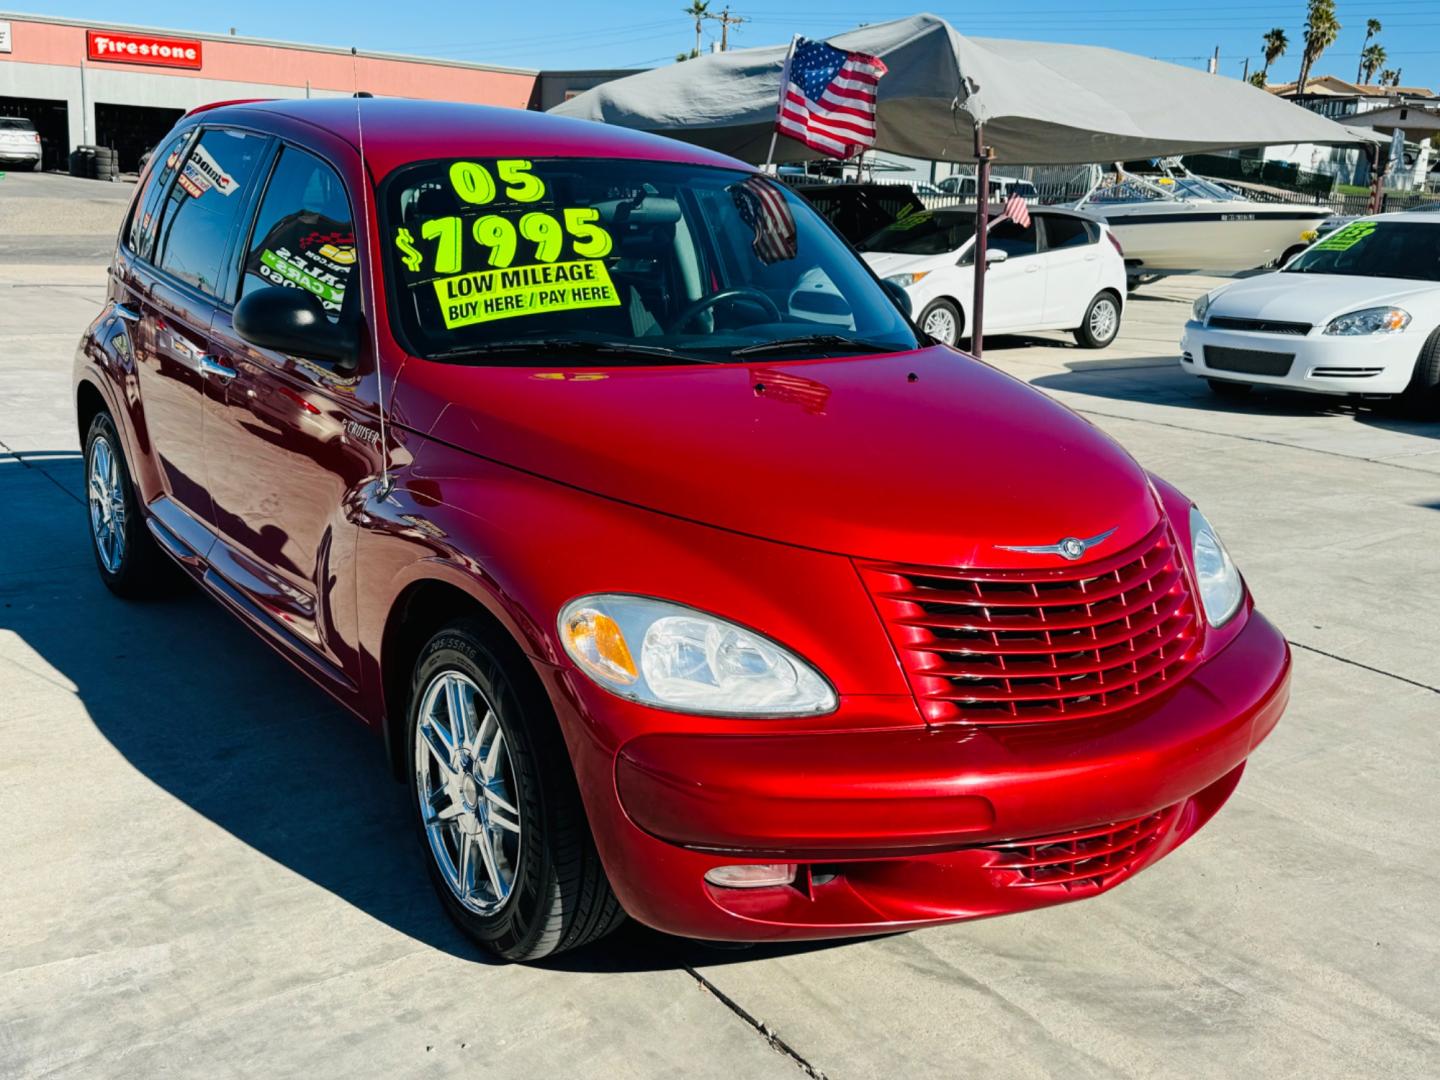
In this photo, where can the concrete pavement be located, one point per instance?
(205, 869)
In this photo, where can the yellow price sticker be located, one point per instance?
(1347, 237)
(486, 295)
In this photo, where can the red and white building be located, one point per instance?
(124, 86)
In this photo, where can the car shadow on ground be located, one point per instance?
(1161, 380)
(203, 709)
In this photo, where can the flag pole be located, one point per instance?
(982, 215)
(779, 105)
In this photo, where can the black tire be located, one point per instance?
(142, 571)
(560, 898)
(1232, 391)
(1422, 396)
(946, 314)
(1095, 330)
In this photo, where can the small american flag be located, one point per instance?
(762, 206)
(1017, 211)
(827, 98)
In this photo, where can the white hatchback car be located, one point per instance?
(1357, 312)
(1064, 271)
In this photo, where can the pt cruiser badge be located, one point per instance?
(1072, 547)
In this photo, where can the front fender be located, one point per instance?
(523, 547)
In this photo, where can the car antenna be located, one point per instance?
(372, 264)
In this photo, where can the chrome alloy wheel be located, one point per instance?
(940, 325)
(105, 495)
(1103, 319)
(466, 786)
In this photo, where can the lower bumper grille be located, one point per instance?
(1248, 361)
(1345, 372)
(1086, 858)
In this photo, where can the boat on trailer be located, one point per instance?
(1173, 222)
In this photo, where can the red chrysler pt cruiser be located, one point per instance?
(680, 576)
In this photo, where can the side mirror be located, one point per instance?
(293, 321)
(995, 255)
(899, 296)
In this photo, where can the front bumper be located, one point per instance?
(895, 828)
(1369, 364)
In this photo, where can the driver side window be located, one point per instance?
(304, 237)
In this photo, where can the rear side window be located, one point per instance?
(142, 225)
(1062, 232)
(304, 236)
(205, 204)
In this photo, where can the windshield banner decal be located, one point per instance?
(1347, 237)
(486, 295)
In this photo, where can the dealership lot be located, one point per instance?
(205, 869)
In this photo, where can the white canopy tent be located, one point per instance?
(957, 98)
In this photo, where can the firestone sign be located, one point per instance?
(142, 49)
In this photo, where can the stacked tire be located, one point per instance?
(95, 162)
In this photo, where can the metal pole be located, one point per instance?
(84, 107)
(780, 105)
(982, 220)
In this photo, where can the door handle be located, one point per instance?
(208, 365)
(1032, 270)
(129, 314)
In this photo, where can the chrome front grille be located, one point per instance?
(1043, 644)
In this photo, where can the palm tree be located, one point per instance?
(1275, 45)
(1372, 60)
(698, 8)
(1372, 27)
(1389, 78)
(1257, 78)
(1321, 29)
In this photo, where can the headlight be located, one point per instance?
(1375, 320)
(1200, 307)
(687, 660)
(906, 280)
(1220, 587)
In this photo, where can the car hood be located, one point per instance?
(885, 263)
(926, 457)
(1312, 298)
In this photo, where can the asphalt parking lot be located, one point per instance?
(205, 869)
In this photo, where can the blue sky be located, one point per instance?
(647, 32)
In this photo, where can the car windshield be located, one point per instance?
(929, 232)
(1392, 249)
(15, 123)
(620, 261)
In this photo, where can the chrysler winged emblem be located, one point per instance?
(1072, 547)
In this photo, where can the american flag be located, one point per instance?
(762, 206)
(827, 98)
(1017, 211)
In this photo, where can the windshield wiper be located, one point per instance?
(817, 341)
(571, 347)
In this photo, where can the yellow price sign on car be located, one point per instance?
(487, 295)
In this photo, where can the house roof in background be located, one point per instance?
(1330, 85)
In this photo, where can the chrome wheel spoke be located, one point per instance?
(491, 761)
(492, 866)
(465, 865)
(437, 742)
(499, 805)
(504, 823)
(458, 711)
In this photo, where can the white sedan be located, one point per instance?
(1063, 271)
(1357, 312)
